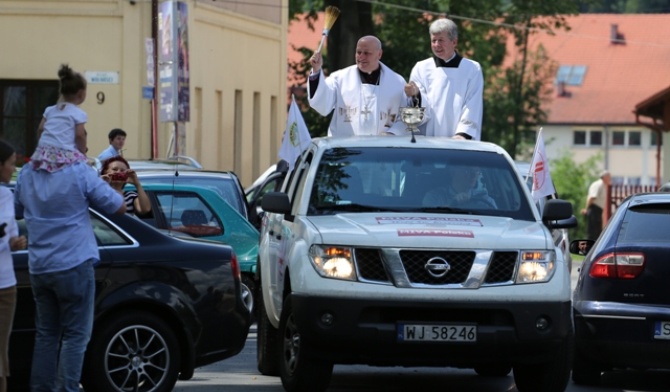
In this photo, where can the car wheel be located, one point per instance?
(552, 376)
(134, 351)
(584, 371)
(493, 370)
(248, 292)
(298, 372)
(267, 343)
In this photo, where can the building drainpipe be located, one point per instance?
(608, 206)
(154, 101)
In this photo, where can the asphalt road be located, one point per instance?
(239, 374)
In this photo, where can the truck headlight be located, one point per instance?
(333, 261)
(536, 266)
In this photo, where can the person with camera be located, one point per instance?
(116, 171)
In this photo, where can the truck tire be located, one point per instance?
(298, 372)
(267, 346)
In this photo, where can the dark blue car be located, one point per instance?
(622, 299)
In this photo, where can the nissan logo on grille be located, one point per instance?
(437, 267)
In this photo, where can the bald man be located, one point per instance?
(365, 97)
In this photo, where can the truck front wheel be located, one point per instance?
(298, 372)
(267, 347)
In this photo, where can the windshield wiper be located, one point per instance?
(446, 209)
(353, 207)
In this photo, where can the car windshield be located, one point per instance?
(417, 180)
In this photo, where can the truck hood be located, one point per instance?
(420, 230)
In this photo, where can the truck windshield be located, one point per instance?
(417, 180)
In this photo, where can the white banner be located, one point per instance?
(543, 185)
(296, 136)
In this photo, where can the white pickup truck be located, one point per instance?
(387, 252)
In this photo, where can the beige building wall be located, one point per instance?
(237, 73)
(626, 162)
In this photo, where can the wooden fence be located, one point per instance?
(617, 193)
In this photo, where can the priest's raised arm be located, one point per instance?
(364, 98)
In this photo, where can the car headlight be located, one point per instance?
(536, 266)
(333, 261)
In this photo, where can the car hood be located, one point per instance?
(430, 231)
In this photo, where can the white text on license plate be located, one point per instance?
(662, 330)
(436, 333)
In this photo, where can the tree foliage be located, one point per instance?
(572, 182)
(625, 6)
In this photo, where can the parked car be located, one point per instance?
(368, 255)
(226, 183)
(621, 303)
(271, 180)
(202, 213)
(170, 163)
(255, 187)
(164, 306)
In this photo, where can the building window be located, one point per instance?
(571, 75)
(635, 138)
(617, 180)
(579, 138)
(596, 138)
(654, 138)
(22, 104)
(618, 138)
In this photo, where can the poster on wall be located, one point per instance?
(183, 81)
(173, 61)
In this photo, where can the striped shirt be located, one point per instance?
(129, 198)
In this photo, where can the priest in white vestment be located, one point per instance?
(449, 86)
(365, 97)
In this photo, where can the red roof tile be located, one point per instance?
(618, 76)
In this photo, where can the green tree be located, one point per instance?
(572, 182)
(625, 6)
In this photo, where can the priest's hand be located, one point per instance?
(316, 62)
(411, 89)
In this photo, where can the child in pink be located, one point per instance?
(61, 131)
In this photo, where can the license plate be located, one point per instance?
(436, 333)
(662, 330)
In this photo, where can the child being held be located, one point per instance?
(62, 133)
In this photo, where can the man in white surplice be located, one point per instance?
(450, 86)
(365, 97)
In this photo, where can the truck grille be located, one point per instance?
(373, 268)
(415, 261)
